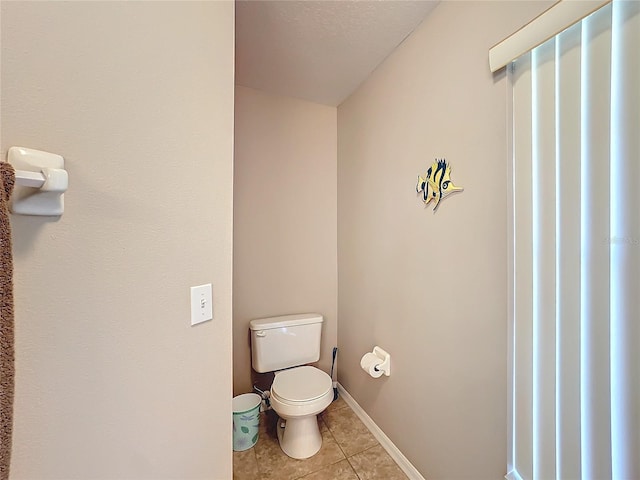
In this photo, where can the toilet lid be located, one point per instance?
(301, 384)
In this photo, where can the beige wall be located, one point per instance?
(112, 381)
(430, 288)
(284, 218)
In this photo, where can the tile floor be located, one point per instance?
(349, 452)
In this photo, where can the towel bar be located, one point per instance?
(29, 179)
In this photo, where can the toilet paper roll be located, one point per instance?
(369, 362)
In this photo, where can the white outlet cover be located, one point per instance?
(201, 304)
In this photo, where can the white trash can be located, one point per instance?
(246, 420)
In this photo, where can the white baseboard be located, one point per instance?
(406, 466)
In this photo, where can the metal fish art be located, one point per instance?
(436, 184)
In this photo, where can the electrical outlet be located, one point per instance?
(201, 304)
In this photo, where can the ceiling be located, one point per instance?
(319, 50)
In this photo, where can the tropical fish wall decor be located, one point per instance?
(436, 184)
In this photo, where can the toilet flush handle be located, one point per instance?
(261, 333)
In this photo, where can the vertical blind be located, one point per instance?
(575, 406)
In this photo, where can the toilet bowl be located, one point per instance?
(297, 396)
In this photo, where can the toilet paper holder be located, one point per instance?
(385, 366)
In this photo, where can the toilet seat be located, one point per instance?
(301, 385)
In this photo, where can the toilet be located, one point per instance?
(285, 345)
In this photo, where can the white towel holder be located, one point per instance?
(40, 182)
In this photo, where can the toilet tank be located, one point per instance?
(285, 341)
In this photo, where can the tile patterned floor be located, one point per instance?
(349, 452)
